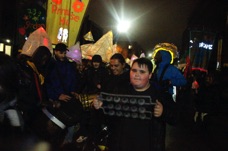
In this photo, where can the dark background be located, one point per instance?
(153, 21)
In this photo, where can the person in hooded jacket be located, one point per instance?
(168, 77)
(32, 98)
(31, 93)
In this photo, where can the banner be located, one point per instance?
(64, 18)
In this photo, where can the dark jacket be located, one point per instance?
(117, 83)
(30, 93)
(146, 135)
(93, 77)
(61, 79)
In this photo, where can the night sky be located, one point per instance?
(156, 21)
(153, 21)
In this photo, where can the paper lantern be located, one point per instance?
(37, 38)
(74, 53)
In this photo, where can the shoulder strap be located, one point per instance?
(38, 87)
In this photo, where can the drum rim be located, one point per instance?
(54, 119)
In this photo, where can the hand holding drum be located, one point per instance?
(97, 103)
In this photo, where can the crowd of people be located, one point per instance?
(41, 100)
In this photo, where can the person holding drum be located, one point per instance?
(31, 92)
(61, 88)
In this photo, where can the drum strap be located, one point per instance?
(38, 87)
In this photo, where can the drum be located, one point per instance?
(70, 112)
(49, 126)
(51, 123)
(87, 100)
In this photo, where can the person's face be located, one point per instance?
(116, 67)
(96, 65)
(80, 67)
(61, 55)
(140, 77)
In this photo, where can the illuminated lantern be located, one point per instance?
(74, 53)
(133, 57)
(142, 55)
(88, 36)
(37, 38)
(103, 47)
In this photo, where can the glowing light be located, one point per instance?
(123, 26)
(205, 46)
(1, 47)
(8, 40)
(8, 50)
(129, 46)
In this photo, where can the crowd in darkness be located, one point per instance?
(48, 101)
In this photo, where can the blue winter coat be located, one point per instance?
(61, 79)
(172, 73)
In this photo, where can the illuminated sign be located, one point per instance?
(205, 46)
(201, 46)
(30, 18)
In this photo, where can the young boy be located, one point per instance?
(149, 134)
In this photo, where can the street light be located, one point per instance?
(123, 26)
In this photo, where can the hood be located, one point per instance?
(166, 57)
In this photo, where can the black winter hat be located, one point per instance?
(96, 58)
(61, 47)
